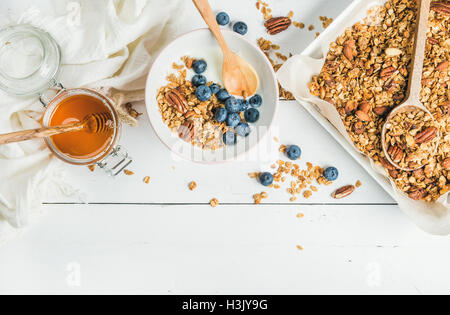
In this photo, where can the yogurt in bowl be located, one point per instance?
(201, 44)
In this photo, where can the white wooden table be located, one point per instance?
(122, 236)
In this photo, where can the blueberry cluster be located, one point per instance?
(240, 27)
(236, 113)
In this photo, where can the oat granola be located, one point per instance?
(185, 115)
(411, 139)
(366, 75)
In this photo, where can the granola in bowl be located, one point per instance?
(366, 75)
(186, 115)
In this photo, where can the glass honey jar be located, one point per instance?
(30, 60)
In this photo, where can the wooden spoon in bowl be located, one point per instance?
(96, 123)
(239, 78)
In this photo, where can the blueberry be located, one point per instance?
(294, 152)
(229, 138)
(240, 28)
(223, 19)
(198, 80)
(233, 120)
(223, 95)
(221, 114)
(199, 66)
(243, 130)
(331, 173)
(266, 179)
(256, 101)
(203, 93)
(232, 105)
(214, 88)
(251, 115)
(243, 105)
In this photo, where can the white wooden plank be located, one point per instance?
(228, 182)
(229, 249)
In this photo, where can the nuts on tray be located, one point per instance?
(366, 75)
(411, 139)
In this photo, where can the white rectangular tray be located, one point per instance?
(315, 51)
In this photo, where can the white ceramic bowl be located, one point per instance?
(202, 45)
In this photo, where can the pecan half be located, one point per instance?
(426, 136)
(343, 192)
(417, 194)
(396, 153)
(387, 73)
(277, 25)
(446, 163)
(386, 164)
(441, 7)
(394, 173)
(382, 110)
(443, 66)
(398, 97)
(177, 100)
(186, 131)
(433, 41)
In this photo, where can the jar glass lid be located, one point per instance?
(29, 60)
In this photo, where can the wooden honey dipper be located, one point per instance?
(95, 123)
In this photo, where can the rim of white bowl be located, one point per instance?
(266, 61)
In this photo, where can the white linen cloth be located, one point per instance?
(104, 43)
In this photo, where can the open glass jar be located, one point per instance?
(29, 64)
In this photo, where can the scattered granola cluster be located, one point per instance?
(270, 48)
(366, 75)
(301, 180)
(184, 114)
(276, 25)
(411, 139)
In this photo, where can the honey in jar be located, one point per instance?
(80, 145)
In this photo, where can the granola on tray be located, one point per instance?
(366, 75)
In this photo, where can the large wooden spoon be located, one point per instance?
(95, 123)
(239, 78)
(413, 102)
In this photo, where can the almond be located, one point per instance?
(349, 49)
(362, 116)
(393, 52)
(364, 107)
(381, 110)
(442, 66)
